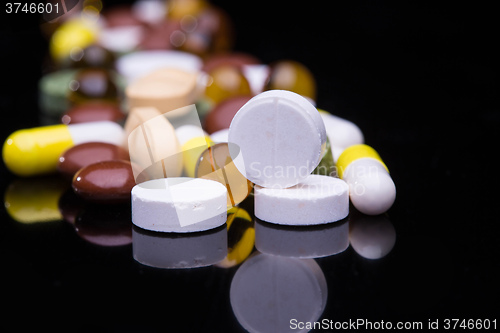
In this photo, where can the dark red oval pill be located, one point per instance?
(105, 182)
(87, 153)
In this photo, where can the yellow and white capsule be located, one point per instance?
(371, 188)
(35, 151)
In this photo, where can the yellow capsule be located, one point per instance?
(36, 151)
(355, 152)
(74, 35)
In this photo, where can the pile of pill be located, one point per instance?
(124, 85)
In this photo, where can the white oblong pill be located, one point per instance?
(140, 63)
(281, 137)
(372, 190)
(102, 131)
(316, 200)
(179, 204)
(341, 132)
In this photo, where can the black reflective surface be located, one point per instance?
(420, 82)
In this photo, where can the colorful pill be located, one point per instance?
(153, 146)
(88, 153)
(281, 137)
(292, 76)
(36, 151)
(168, 90)
(215, 163)
(73, 34)
(371, 188)
(93, 111)
(225, 82)
(105, 182)
(223, 113)
(194, 141)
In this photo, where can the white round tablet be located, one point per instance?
(179, 204)
(316, 200)
(281, 137)
(268, 293)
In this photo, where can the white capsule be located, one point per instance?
(341, 133)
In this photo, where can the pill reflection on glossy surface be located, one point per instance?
(241, 237)
(372, 237)
(104, 225)
(173, 250)
(36, 151)
(295, 287)
(35, 200)
(303, 241)
(371, 188)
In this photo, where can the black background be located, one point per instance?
(420, 80)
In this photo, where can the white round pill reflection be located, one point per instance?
(267, 292)
(179, 204)
(316, 200)
(281, 137)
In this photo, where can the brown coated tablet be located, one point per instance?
(84, 154)
(222, 114)
(93, 111)
(105, 182)
(236, 59)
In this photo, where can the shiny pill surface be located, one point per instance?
(88, 153)
(105, 182)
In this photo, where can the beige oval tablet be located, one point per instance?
(153, 146)
(166, 89)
